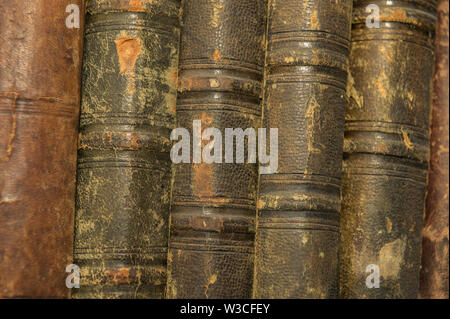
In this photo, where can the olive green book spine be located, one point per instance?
(212, 229)
(386, 148)
(124, 169)
(297, 238)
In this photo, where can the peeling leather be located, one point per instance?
(213, 214)
(124, 167)
(386, 148)
(297, 237)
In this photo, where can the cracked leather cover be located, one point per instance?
(386, 148)
(211, 249)
(298, 221)
(124, 167)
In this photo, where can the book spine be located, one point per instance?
(40, 63)
(213, 216)
(386, 148)
(124, 168)
(298, 207)
(434, 272)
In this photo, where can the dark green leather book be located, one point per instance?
(386, 148)
(213, 214)
(124, 166)
(298, 221)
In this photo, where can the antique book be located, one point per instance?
(386, 147)
(124, 167)
(434, 272)
(211, 249)
(40, 63)
(297, 238)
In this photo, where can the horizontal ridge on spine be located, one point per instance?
(162, 7)
(15, 103)
(420, 14)
(113, 21)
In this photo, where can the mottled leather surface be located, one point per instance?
(298, 221)
(212, 223)
(386, 148)
(40, 60)
(434, 272)
(124, 167)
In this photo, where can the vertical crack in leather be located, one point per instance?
(39, 108)
(298, 220)
(124, 167)
(213, 213)
(386, 148)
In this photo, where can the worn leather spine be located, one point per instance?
(434, 272)
(211, 249)
(386, 149)
(298, 207)
(124, 167)
(40, 63)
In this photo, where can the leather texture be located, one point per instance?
(211, 250)
(386, 148)
(298, 221)
(40, 63)
(434, 272)
(124, 168)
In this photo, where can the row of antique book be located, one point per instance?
(93, 205)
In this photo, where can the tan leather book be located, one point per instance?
(434, 272)
(40, 61)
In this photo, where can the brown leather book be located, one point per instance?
(298, 220)
(124, 167)
(434, 272)
(40, 61)
(211, 248)
(386, 147)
